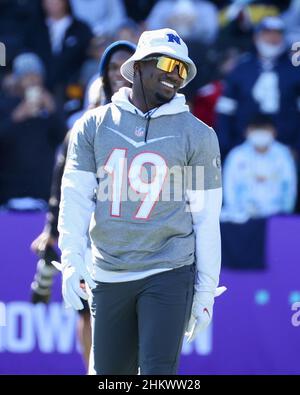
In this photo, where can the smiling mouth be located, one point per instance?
(168, 84)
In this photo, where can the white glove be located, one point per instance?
(73, 271)
(202, 312)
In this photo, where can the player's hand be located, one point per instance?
(43, 241)
(202, 312)
(47, 101)
(23, 112)
(73, 272)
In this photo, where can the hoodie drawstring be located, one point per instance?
(148, 117)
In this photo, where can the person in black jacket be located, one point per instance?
(31, 128)
(15, 18)
(61, 41)
(264, 81)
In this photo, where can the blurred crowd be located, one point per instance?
(247, 88)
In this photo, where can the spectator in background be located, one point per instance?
(192, 19)
(92, 96)
(61, 41)
(221, 3)
(264, 81)
(237, 33)
(256, 9)
(206, 97)
(234, 39)
(138, 10)
(259, 175)
(292, 20)
(95, 51)
(103, 16)
(129, 30)
(30, 131)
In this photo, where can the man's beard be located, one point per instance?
(162, 99)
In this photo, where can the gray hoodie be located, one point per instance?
(107, 143)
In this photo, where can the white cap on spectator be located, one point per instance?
(28, 63)
(271, 23)
(165, 42)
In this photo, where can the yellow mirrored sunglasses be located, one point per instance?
(167, 64)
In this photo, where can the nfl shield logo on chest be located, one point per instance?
(139, 131)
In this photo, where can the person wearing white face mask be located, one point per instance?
(259, 175)
(263, 81)
(269, 39)
(261, 139)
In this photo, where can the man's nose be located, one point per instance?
(175, 74)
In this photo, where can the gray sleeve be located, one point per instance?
(81, 147)
(204, 161)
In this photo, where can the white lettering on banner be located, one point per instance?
(48, 328)
(19, 327)
(54, 327)
(2, 314)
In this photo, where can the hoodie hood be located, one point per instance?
(174, 106)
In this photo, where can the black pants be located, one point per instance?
(142, 323)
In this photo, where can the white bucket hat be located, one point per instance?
(165, 42)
